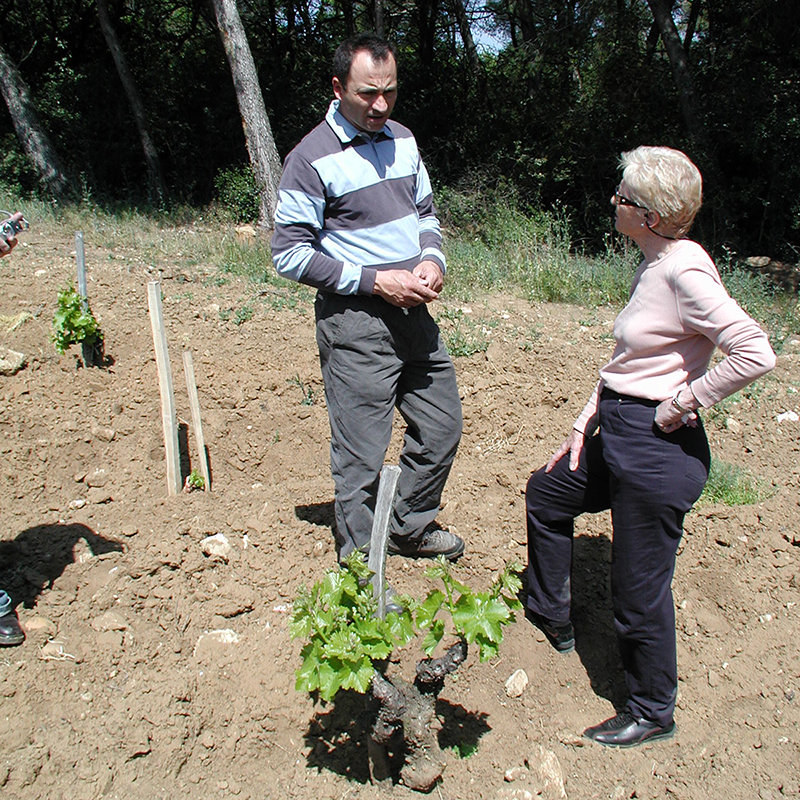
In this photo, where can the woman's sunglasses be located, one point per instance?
(621, 200)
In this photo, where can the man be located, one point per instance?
(11, 632)
(355, 218)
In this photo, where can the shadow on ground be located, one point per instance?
(337, 735)
(37, 557)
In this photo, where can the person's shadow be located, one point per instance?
(593, 617)
(36, 558)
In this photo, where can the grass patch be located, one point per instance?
(463, 336)
(492, 244)
(777, 311)
(733, 486)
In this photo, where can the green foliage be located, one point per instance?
(463, 337)
(72, 324)
(465, 749)
(494, 244)
(195, 481)
(733, 486)
(17, 173)
(237, 193)
(548, 111)
(478, 617)
(345, 639)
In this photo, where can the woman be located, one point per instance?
(638, 447)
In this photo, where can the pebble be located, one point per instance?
(516, 683)
(217, 546)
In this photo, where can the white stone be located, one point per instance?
(206, 641)
(545, 766)
(217, 545)
(110, 621)
(97, 477)
(11, 362)
(790, 415)
(516, 683)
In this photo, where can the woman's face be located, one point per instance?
(630, 215)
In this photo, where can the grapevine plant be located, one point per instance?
(347, 647)
(73, 323)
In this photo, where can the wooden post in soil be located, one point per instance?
(379, 767)
(169, 419)
(194, 405)
(87, 351)
(379, 538)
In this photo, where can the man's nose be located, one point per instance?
(380, 105)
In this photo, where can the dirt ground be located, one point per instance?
(152, 670)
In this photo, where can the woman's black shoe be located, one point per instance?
(562, 637)
(625, 730)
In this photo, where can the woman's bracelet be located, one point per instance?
(679, 406)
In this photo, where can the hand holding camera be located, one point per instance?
(10, 226)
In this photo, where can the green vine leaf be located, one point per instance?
(433, 637)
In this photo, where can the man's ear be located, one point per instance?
(338, 89)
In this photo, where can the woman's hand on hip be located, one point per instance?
(669, 419)
(573, 445)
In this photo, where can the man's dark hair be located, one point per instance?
(378, 48)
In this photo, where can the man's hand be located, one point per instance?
(405, 289)
(8, 243)
(573, 445)
(430, 273)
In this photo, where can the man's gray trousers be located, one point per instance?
(375, 357)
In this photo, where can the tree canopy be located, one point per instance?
(573, 83)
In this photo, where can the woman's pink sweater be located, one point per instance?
(677, 314)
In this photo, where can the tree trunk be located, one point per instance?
(691, 25)
(465, 29)
(33, 137)
(155, 175)
(681, 72)
(264, 157)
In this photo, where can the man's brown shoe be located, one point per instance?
(435, 541)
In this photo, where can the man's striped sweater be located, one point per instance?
(352, 203)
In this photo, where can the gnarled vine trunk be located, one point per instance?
(406, 724)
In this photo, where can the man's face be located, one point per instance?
(371, 92)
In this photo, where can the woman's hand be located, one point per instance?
(573, 445)
(669, 419)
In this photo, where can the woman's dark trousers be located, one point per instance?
(649, 480)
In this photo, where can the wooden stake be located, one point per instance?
(194, 405)
(379, 539)
(80, 257)
(169, 419)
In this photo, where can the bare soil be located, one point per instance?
(152, 670)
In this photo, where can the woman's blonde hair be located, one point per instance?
(666, 181)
